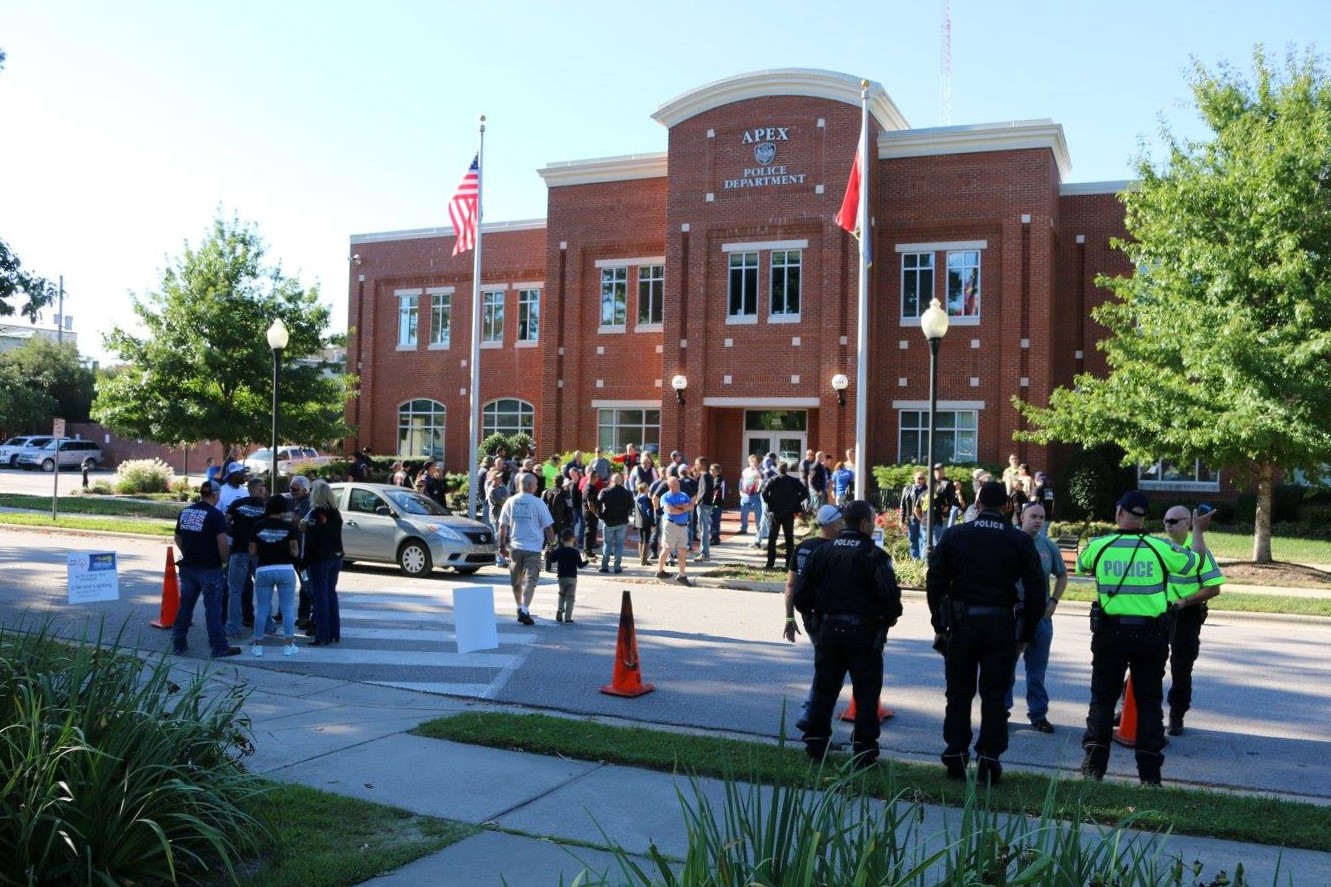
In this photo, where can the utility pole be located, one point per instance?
(60, 315)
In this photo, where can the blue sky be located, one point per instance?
(127, 125)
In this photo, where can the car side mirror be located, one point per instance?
(383, 510)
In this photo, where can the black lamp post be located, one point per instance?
(934, 324)
(277, 340)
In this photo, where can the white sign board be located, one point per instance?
(58, 427)
(474, 618)
(93, 577)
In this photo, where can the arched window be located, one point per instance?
(508, 416)
(420, 430)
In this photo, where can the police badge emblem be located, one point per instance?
(764, 153)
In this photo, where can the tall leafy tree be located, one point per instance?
(1220, 345)
(203, 370)
(43, 379)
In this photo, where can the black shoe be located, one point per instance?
(230, 651)
(318, 643)
(1152, 780)
(525, 618)
(604, 570)
(802, 725)
(956, 766)
(1089, 770)
(619, 570)
(1043, 725)
(1175, 725)
(990, 771)
(864, 761)
(180, 651)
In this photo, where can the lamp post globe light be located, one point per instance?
(278, 337)
(839, 384)
(679, 383)
(934, 324)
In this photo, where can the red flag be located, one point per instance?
(848, 217)
(462, 209)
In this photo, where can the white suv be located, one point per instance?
(260, 461)
(72, 454)
(10, 449)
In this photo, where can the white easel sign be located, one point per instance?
(93, 577)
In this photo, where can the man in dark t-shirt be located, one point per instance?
(201, 540)
(241, 516)
(830, 525)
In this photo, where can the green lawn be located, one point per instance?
(1185, 811)
(1224, 543)
(103, 505)
(139, 526)
(1241, 603)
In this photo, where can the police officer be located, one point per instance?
(1189, 615)
(1137, 576)
(986, 597)
(850, 591)
(830, 524)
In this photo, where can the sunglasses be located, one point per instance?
(1170, 521)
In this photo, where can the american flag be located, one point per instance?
(462, 209)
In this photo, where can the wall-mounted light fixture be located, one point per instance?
(679, 383)
(840, 383)
(355, 258)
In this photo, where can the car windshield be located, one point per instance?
(260, 454)
(414, 503)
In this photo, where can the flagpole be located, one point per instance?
(862, 336)
(474, 428)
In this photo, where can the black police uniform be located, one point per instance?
(850, 591)
(973, 599)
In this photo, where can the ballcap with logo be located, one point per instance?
(234, 468)
(828, 514)
(1133, 502)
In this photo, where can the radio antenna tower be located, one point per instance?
(945, 66)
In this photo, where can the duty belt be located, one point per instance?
(851, 619)
(962, 609)
(1159, 623)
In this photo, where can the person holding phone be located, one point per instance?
(1189, 615)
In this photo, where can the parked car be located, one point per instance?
(260, 461)
(10, 449)
(389, 524)
(71, 453)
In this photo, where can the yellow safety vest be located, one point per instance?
(1137, 574)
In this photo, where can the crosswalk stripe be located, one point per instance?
(421, 658)
(447, 636)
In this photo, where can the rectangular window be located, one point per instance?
(963, 284)
(614, 297)
(955, 440)
(651, 292)
(406, 318)
(785, 284)
(529, 315)
(743, 286)
(1176, 475)
(492, 317)
(615, 429)
(441, 319)
(917, 283)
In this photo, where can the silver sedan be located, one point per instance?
(389, 524)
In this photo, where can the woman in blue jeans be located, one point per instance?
(274, 547)
(323, 560)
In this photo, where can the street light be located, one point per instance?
(679, 383)
(934, 324)
(840, 383)
(277, 340)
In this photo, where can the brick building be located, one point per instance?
(718, 260)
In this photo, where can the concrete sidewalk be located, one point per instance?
(542, 817)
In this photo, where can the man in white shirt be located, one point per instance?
(525, 528)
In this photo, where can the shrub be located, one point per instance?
(143, 476)
(113, 774)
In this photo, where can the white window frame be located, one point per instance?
(963, 319)
(1145, 482)
(616, 278)
(408, 319)
(441, 317)
(918, 271)
(947, 247)
(652, 278)
(782, 271)
(529, 304)
(921, 427)
(743, 266)
(492, 315)
(610, 419)
(438, 410)
(490, 417)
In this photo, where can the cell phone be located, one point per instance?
(1204, 509)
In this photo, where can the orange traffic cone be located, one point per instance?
(1126, 734)
(170, 593)
(883, 711)
(628, 676)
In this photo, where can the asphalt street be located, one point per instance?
(1262, 699)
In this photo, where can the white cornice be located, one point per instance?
(1014, 136)
(604, 169)
(423, 233)
(778, 82)
(1076, 188)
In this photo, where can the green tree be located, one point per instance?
(14, 281)
(1221, 342)
(43, 379)
(203, 371)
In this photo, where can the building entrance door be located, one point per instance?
(784, 432)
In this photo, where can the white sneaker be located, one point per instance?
(290, 650)
(256, 651)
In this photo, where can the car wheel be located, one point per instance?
(13, 461)
(467, 571)
(48, 465)
(90, 464)
(413, 558)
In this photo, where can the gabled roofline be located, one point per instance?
(1011, 136)
(425, 233)
(624, 168)
(777, 82)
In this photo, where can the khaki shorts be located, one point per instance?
(674, 535)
